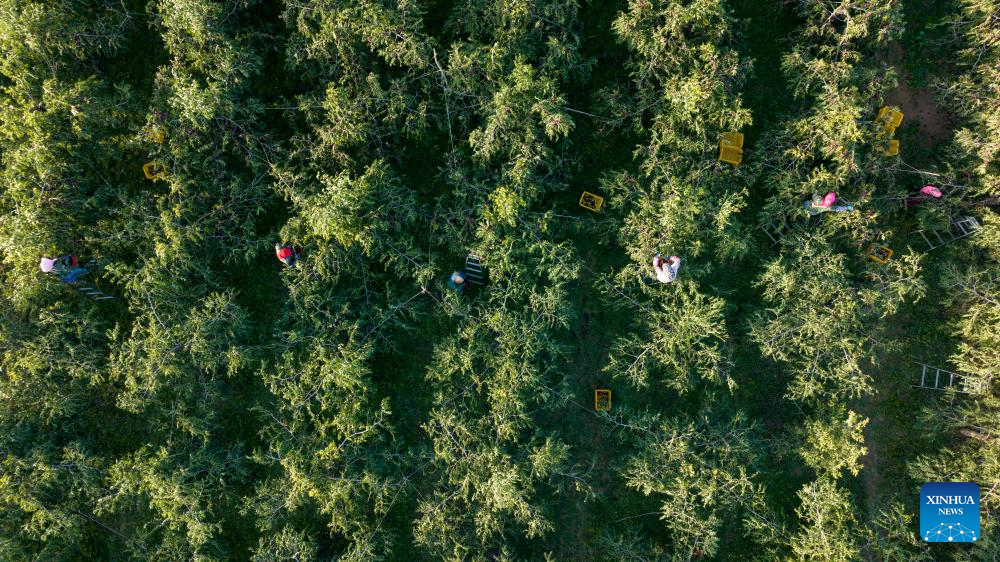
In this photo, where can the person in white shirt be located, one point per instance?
(666, 269)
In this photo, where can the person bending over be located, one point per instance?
(666, 269)
(66, 268)
(286, 253)
(818, 205)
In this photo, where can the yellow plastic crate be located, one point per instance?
(734, 140)
(602, 400)
(890, 117)
(897, 118)
(591, 201)
(730, 154)
(893, 148)
(157, 135)
(154, 171)
(880, 254)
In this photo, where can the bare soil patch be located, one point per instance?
(933, 123)
(871, 471)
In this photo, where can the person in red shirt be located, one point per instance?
(286, 253)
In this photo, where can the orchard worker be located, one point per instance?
(66, 268)
(666, 269)
(818, 205)
(286, 253)
(457, 281)
(926, 192)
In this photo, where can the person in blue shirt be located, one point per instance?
(66, 268)
(457, 281)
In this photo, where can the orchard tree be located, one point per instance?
(973, 95)
(828, 526)
(686, 80)
(677, 340)
(330, 446)
(703, 471)
(496, 468)
(889, 536)
(818, 321)
(833, 144)
(833, 442)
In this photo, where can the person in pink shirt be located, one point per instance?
(666, 269)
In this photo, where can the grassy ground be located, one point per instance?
(597, 324)
(918, 331)
(765, 28)
(763, 31)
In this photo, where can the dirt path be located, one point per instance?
(889, 411)
(584, 431)
(933, 123)
(871, 473)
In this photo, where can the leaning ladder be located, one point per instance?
(474, 269)
(934, 378)
(776, 228)
(959, 228)
(90, 291)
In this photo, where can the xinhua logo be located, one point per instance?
(949, 512)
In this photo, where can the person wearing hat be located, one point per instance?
(666, 269)
(457, 281)
(926, 193)
(286, 253)
(818, 205)
(66, 268)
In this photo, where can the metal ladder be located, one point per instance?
(474, 270)
(90, 291)
(774, 231)
(934, 378)
(776, 228)
(959, 228)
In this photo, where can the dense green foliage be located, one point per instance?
(354, 407)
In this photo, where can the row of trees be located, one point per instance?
(55, 119)
(188, 343)
(825, 301)
(497, 475)
(690, 448)
(969, 277)
(334, 462)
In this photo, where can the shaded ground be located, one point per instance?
(871, 472)
(893, 436)
(932, 123)
(591, 447)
